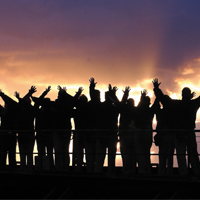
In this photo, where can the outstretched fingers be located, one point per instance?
(155, 83)
(48, 89)
(144, 93)
(16, 94)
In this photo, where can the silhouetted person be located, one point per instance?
(81, 126)
(2, 139)
(25, 127)
(143, 123)
(127, 133)
(64, 105)
(44, 125)
(93, 146)
(185, 114)
(1, 110)
(109, 126)
(165, 139)
(186, 140)
(8, 134)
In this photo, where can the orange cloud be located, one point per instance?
(187, 71)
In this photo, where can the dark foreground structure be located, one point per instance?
(82, 185)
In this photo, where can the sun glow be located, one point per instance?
(188, 83)
(174, 96)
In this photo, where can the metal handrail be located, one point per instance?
(15, 132)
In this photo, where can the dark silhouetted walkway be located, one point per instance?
(82, 185)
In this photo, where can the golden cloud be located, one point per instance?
(187, 71)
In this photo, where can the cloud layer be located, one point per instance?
(119, 42)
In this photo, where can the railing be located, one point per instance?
(154, 149)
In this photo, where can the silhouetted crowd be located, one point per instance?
(97, 130)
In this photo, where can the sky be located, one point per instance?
(124, 43)
(118, 42)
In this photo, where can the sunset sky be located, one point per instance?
(122, 42)
(119, 42)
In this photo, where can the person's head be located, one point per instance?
(27, 99)
(96, 96)
(83, 99)
(107, 95)
(130, 102)
(45, 102)
(146, 101)
(61, 93)
(186, 93)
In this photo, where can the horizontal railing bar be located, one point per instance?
(105, 130)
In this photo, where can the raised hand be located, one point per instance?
(144, 93)
(80, 89)
(155, 83)
(16, 94)
(193, 94)
(59, 87)
(115, 89)
(92, 82)
(48, 89)
(109, 87)
(127, 89)
(32, 90)
(65, 89)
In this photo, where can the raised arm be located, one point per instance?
(144, 93)
(114, 90)
(142, 97)
(16, 94)
(157, 91)
(196, 100)
(37, 100)
(155, 83)
(164, 99)
(7, 99)
(47, 90)
(126, 94)
(92, 87)
(80, 90)
(31, 91)
(63, 93)
(112, 93)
